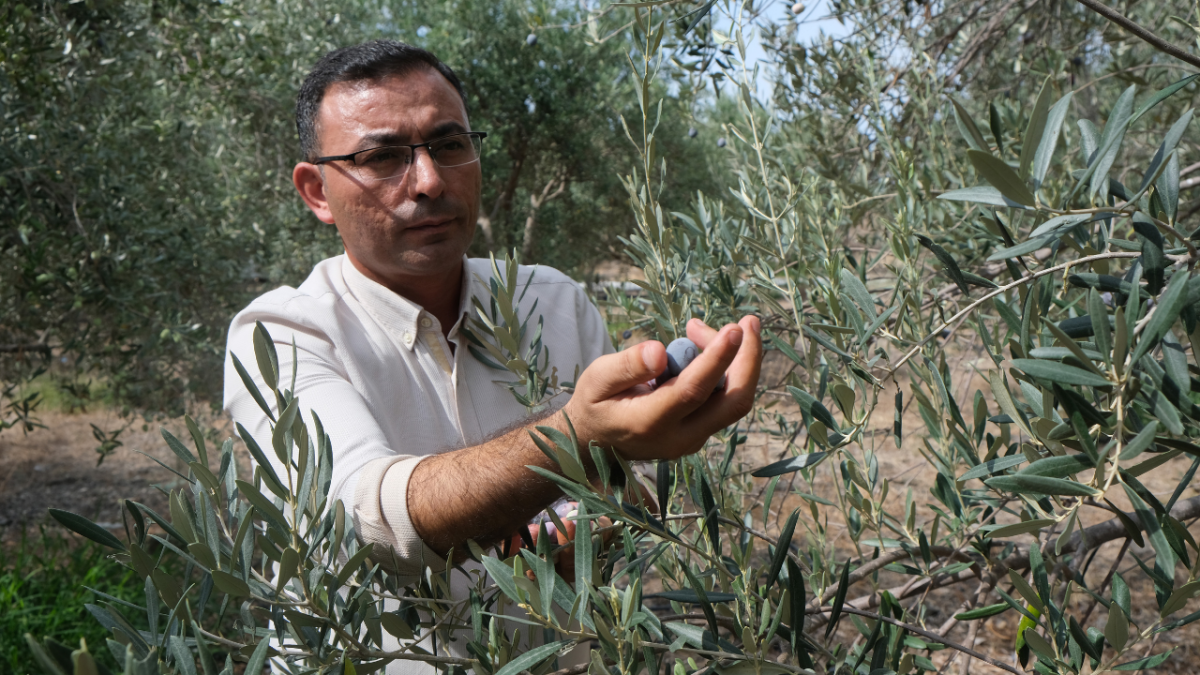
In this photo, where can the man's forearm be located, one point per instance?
(483, 492)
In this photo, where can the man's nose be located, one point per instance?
(424, 177)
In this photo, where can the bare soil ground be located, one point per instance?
(56, 467)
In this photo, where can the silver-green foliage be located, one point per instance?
(1085, 282)
(777, 568)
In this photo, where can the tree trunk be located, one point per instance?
(558, 184)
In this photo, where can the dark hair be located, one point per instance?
(367, 61)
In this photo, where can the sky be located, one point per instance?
(812, 26)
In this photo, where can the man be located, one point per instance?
(429, 451)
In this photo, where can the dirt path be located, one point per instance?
(56, 467)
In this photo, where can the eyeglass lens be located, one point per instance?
(389, 162)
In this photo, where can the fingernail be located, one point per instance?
(648, 360)
(757, 324)
(735, 337)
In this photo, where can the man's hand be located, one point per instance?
(613, 406)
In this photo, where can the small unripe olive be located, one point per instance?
(798, 8)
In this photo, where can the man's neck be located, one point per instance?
(438, 294)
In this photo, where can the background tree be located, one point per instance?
(147, 155)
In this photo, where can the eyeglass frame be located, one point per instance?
(337, 158)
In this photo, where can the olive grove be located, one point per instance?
(1004, 179)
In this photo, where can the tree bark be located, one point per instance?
(504, 199)
(535, 203)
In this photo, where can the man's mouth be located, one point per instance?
(429, 226)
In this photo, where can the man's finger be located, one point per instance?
(612, 374)
(700, 333)
(696, 383)
(741, 381)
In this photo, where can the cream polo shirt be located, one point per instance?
(388, 389)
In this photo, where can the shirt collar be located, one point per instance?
(396, 313)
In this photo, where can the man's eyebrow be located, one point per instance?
(376, 139)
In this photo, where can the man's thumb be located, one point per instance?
(613, 374)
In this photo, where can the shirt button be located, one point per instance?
(426, 322)
(408, 338)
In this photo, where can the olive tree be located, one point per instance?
(876, 225)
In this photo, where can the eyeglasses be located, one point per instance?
(391, 161)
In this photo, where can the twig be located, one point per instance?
(1141, 33)
(927, 634)
(1004, 289)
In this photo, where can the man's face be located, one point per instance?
(415, 226)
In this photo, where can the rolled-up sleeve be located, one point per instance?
(381, 516)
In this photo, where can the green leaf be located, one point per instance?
(1060, 223)
(1170, 304)
(258, 659)
(1101, 330)
(1059, 372)
(711, 524)
(1049, 139)
(1110, 143)
(995, 171)
(947, 261)
(1164, 561)
(981, 194)
(1034, 129)
(702, 598)
(263, 504)
(1077, 351)
(396, 626)
(1116, 629)
(177, 447)
(997, 127)
(1081, 638)
(839, 599)
(1147, 662)
(1101, 159)
(354, 562)
(265, 354)
(982, 612)
(231, 585)
(282, 430)
(1025, 247)
(1120, 593)
(810, 405)
(1141, 442)
(252, 387)
(781, 548)
(825, 342)
(1041, 485)
(966, 126)
(1174, 134)
(1058, 467)
(1025, 527)
(788, 465)
(1167, 187)
(690, 596)
(1160, 95)
(993, 466)
(84, 527)
(858, 292)
(260, 459)
(503, 576)
(583, 546)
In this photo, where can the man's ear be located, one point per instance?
(311, 186)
